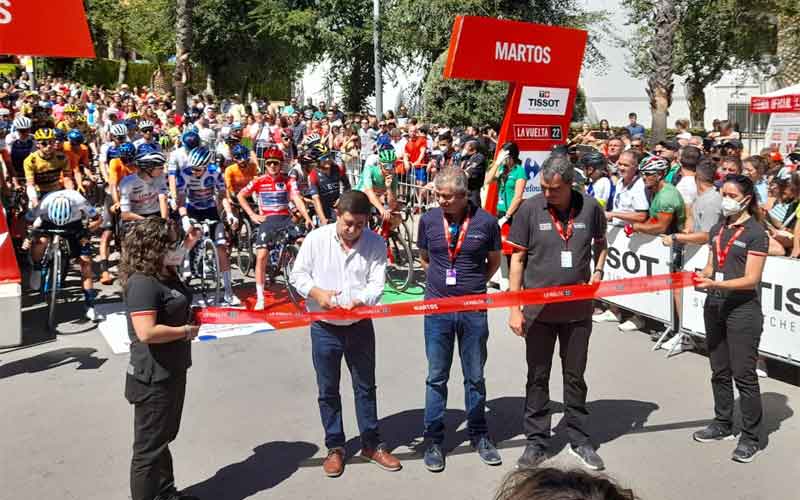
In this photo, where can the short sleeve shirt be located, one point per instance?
(372, 178)
(534, 231)
(170, 300)
(707, 211)
(482, 237)
(506, 188)
(753, 240)
(629, 199)
(669, 200)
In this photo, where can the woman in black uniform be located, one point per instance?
(733, 316)
(160, 330)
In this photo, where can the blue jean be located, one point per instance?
(356, 343)
(441, 331)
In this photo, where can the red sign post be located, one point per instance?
(541, 63)
(47, 28)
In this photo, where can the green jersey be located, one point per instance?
(669, 200)
(372, 178)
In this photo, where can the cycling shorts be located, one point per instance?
(78, 237)
(267, 229)
(218, 233)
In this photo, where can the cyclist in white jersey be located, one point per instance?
(144, 194)
(201, 190)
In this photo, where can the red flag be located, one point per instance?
(44, 28)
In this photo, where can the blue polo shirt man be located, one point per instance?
(459, 247)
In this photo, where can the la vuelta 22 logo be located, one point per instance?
(5, 14)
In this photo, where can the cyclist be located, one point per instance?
(179, 161)
(379, 183)
(78, 155)
(66, 210)
(118, 135)
(202, 194)
(233, 138)
(119, 168)
(326, 182)
(46, 169)
(19, 144)
(74, 120)
(144, 194)
(240, 172)
(148, 135)
(274, 190)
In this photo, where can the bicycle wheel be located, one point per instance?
(54, 283)
(287, 261)
(400, 264)
(210, 277)
(244, 248)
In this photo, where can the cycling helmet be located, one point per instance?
(45, 104)
(190, 140)
(61, 136)
(240, 152)
(199, 157)
(127, 152)
(594, 159)
(130, 123)
(149, 160)
(119, 130)
(60, 211)
(237, 129)
(75, 136)
(22, 123)
(4, 112)
(146, 124)
(387, 157)
(383, 141)
(71, 108)
(133, 116)
(308, 114)
(310, 140)
(316, 153)
(653, 163)
(44, 134)
(146, 147)
(273, 153)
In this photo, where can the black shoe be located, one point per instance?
(175, 495)
(533, 455)
(588, 456)
(434, 458)
(745, 452)
(487, 451)
(714, 432)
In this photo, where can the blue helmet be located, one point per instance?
(200, 157)
(61, 136)
(383, 140)
(75, 136)
(240, 152)
(145, 148)
(131, 124)
(190, 140)
(127, 152)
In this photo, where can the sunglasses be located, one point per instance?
(146, 130)
(649, 174)
(44, 144)
(272, 162)
(716, 159)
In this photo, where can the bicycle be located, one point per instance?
(282, 251)
(54, 268)
(399, 254)
(204, 260)
(242, 239)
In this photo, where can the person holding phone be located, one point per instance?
(160, 330)
(733, 316)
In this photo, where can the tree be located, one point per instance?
(659, 82)
(183, 51)
(788, 44)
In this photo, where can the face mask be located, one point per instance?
(730, 207)
(175, 256)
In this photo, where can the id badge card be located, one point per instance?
(719, 276)
(566, 259)
(450, 277)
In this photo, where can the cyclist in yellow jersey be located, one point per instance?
(46, 169)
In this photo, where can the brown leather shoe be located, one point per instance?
(334, 462)
(381, 457)
(106, 278)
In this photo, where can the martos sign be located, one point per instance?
(51, 28)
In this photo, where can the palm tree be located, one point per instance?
(183, 48)
(659, 83)
(788, 47)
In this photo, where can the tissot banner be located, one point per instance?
(542, 64)
(52, 28)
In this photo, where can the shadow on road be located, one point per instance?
(83, 356)
(268, 466)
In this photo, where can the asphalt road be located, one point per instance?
(251, 426)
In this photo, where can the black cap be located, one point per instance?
(671, 145)
(733, 143)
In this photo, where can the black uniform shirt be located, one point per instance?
(752, 240)
(533, 229)
(171, 301)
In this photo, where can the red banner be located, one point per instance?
(9, 270)
(646, 284)
(44, 28)
(789, 103)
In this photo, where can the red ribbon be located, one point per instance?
(549, 295)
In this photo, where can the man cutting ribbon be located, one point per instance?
(459, 247)
(555, 236)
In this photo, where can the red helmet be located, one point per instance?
(273, 153)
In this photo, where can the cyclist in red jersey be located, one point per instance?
(273, 191)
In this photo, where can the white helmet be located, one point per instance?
(4, 112)
(119, 130)
(60, 211)
(146, 124)
(22, 123)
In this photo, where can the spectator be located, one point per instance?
(615, 147)
(599, 186)
(669, 151)
(629, 203)
(368, 137)
(509, 173)
(706, 208)
(755, 167)
(474, 164)
(782, 217)
(634, 128)
(547, 483)
(684, 180)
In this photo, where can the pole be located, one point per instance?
(376, 45)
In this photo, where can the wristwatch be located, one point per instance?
(599, 271)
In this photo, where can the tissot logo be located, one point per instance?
(543, 101)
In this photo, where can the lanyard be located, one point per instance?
(565, 235)
(462, 234)
(722, 255)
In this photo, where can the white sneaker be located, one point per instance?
(607, 315)
(633, 324)
(677, 343)
(761, 368)
(90, 314)
(232, 300)
(259, 305)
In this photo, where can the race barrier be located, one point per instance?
(10, 289)
(547, 295)
(780, 302)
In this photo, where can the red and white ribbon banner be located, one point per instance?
(645, 284)
(51, 28)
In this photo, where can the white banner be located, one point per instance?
(639, 255)
(780, 301)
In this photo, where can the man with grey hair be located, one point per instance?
(556, 235)
(459, 246)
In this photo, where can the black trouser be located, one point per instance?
(573, 341)
(156, 419)
(733, 331)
